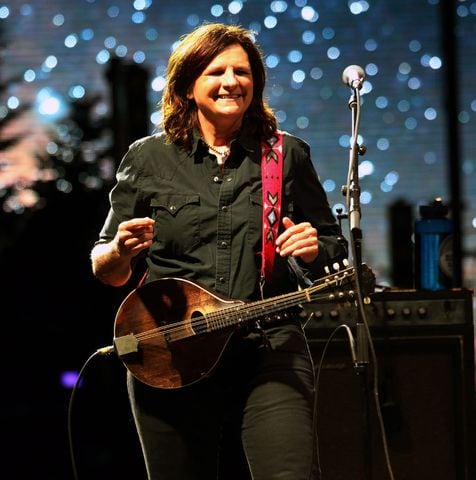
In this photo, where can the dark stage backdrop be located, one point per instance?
(81, 79)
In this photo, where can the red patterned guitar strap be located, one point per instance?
(271, 178)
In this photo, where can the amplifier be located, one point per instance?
(397, 308)
(424, 344)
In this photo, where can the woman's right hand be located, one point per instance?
(133, 236)
(111, 262)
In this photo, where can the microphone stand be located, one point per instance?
(352, 193)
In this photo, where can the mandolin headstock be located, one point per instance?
(341, 283)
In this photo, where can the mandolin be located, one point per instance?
(171, 332)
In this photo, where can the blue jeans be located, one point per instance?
(251, 419)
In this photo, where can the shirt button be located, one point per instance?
(222, 280)
(172, 208)
(223, 244)
(224, 208)
(228, 179)
(216, 179)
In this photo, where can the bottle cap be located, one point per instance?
(435, 210)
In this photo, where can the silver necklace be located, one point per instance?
(222, 154)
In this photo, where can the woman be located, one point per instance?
(189, 201)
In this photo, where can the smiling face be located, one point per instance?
(224, 90)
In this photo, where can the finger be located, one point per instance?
(134, 245)
(141, 246)
(296, 233)
(296, 245)
(288, 225)
(128, 239)
(138, 223)
(303, 239)
(287, 222)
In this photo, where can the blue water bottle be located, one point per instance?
(433, 247)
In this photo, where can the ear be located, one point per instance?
(190, 94)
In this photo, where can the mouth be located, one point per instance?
(229, 96)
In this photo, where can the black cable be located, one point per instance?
(318, 374)
(101, 351)
(368, 340)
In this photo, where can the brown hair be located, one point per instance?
(193, 54)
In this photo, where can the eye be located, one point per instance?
(242, 71)
(214, 72)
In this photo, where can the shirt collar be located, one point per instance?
(196, 139)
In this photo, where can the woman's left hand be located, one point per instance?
(298, 241)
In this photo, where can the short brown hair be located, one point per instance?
(193, 54)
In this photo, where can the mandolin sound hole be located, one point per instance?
(198, 323)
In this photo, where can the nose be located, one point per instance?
(229, 79)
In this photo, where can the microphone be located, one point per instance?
(353, 76)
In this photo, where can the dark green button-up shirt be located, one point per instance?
(208, 219)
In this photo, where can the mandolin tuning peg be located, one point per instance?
(345, 262)
(336, 266)
(327, 270)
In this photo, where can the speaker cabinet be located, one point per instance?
(424, 346)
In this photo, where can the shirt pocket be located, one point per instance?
(255, 219)
(177, 221)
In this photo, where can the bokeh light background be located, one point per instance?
(54, 58)
(57, 52)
